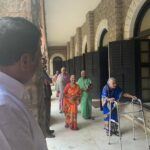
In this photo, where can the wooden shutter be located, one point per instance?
(64, 64)
(71, 66)
(103, 66)
(96, 75)
(89, 63)
(78, 66)
(122, 64)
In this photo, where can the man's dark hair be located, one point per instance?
(17, 37)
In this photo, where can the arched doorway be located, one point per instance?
(57, 64)
(51, 61)
(103, 56)
(142, 33)
(142, 24)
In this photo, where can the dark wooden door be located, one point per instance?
(71, 66)
(89, 68)
(96, 75)
(122, 64)
(103, 66)
(89, 63)
(57, 64)
(143, 69)
(93, 71)
(78, 66)
(64, 64)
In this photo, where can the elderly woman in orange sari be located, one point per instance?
(72, 95)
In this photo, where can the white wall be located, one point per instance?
(63, 16)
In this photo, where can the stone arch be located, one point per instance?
(52, 58)
(84, 43)
(101, 27)
(131, 17)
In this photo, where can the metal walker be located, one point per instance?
(133, 112)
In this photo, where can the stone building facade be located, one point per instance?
(33, 10)
(116, 16)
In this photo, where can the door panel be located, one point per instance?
(71, 66)
(89, 63)
(78, 66)
(96, 75)
(122, 64)
(103, 66)
(143, 47)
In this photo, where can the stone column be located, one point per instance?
(68, 50)
(79, 41)
(115, 20)
(90, 31)
(72, 47)
(119, 19)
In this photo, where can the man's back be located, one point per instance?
(18, 129)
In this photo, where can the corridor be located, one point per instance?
(104, 38)
(91, 135)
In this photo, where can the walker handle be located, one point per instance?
(137, 100)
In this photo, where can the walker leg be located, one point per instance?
(133, 122)
(109, 125)
(146, 135)
(120, 140)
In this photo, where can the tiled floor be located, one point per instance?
(91, 135)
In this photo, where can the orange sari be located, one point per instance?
(71, 104)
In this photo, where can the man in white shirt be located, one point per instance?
(19, 58)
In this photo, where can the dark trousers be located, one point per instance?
(48, 113)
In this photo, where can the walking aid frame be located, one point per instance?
(133, 112)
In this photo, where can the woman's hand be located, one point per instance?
(78, 102)
(111, 100)
(74, 99)
(127, 95)
(134, 97)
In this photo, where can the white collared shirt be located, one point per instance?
(18, 128)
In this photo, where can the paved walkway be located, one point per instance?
(91, 135)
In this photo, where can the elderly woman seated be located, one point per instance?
(111, 93)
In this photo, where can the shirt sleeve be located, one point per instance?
(80, 84)
(66, 88)
(120, 92)
(15, 131)
(104, 92)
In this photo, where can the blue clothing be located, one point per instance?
(115, 93)
(110, 93)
